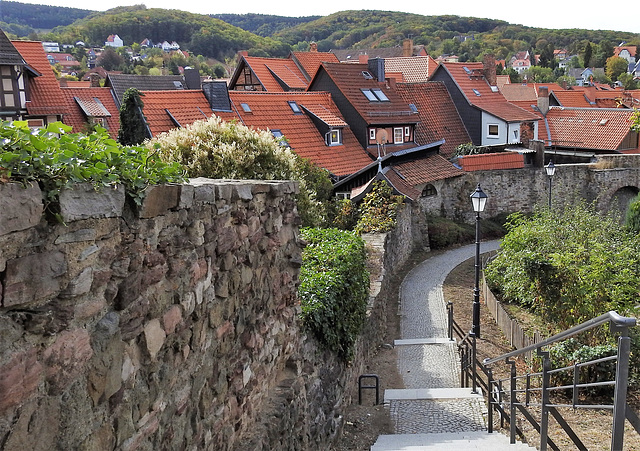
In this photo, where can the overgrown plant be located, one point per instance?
(568, 265)
(133, 129)
(218, 149)
(379, 209)
(334, 287)
(55, 158)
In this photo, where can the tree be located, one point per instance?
(628, 81)
(133, 129)
(615, 66)
(588, 51)
(110, 60)
(635, 121)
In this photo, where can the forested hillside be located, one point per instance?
(39, 16)
(263, 25)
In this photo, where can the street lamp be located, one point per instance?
(551, 170)
(478, 199)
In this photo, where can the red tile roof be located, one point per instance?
(98, 102)
(272, 71)
(351, 80)
(45, 95)
(272, 111)
(185, 107)
(491, 161)
(575, 99)
(470, 80)
(438, 116)
(269, 111)
(311, 61)
(427, 170)
(590, 128)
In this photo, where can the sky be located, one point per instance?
(540, 14)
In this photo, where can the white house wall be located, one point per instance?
(500, 138)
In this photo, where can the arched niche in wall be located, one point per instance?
(621, 199)
(429, 190)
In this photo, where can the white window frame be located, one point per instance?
(398, 135)
(407, 131)
(493, 135)
(372, 134)
(334, 137)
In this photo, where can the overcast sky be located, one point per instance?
(542, 13)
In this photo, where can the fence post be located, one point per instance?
(620, 396)
(512, 401)
(544, 409)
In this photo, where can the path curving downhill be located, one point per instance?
(432, 412)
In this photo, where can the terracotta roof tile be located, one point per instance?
(268, 111)
(350, 80)
(492, 161)
(311, 61)
(590, 128)
(272, 111)
(575, 99)
(272, 70)
(77, 118)
(45, 95)
(438, 116)
(427, 170)
(470, 80)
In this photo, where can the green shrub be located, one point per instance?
(218, 149)
(445, 232)
(55, 159)
(567, 265)
(346, 215)
(334, 288)
(632, 219)
(379, 209)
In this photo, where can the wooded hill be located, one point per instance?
(275, 36)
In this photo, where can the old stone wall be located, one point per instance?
(158, 327)
(610, 182)
(172, 325)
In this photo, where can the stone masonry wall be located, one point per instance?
(159, 327)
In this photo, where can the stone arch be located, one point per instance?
(429, 190)
(621, 199)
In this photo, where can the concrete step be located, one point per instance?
(480, 440)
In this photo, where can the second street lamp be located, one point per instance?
(551, 170)
(478, 199)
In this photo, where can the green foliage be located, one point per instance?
(615, 66)
(378, 210)
(55, 159)
(218, 149)
(334, 288)
(467, 149)
(40, 16)
(632, 218)
(444, 232)
(572, 351)
(635, 120)
(133, 129)
(568, 266)
(346, 215)
(263, 24)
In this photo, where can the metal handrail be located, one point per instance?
(612, 316)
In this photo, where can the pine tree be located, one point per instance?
(587, 54)
(133, 128)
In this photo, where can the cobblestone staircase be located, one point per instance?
(431, 413)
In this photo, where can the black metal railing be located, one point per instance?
(519, 394)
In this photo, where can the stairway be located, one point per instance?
(432, 413)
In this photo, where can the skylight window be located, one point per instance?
(294, 107)
(413, 107)
(375, 95)
(467, 70)
(476, 92)
(246, 108)
(370, 95)
(367, 75)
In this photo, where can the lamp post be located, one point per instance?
(478, 199)
(551, 170)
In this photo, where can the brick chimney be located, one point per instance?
(363, 58)
(489, 69)
(242, 53)
(313, 47)
(407, 47)
(94, 80)
(543, 100)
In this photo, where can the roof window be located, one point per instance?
(367, 75)
(476, 92)
(245, 107)
(375, 95)
(467, 70)
(294, 107)
(413, 107)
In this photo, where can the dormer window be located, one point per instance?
(334, 137)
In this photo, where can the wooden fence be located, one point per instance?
(510, 327)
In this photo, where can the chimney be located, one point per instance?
(363, 58)
(63, 83)
(241, 54)
(407, 47)
(192, 78)
(313, 47)
(543, 100)
(489, 69)
(376, 68)
(391, 82)
(94, 80)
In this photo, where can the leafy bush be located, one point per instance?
(56, 159)
(568, 266)
(444, 232)
(334, 287)
(632, 219)
(218, 149)
(346, 215)
(379, 209)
